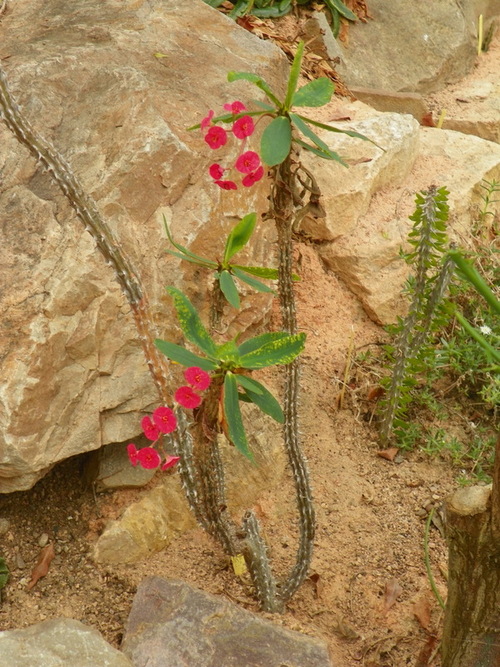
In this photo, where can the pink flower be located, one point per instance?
(132, 454)
(253, 177)
(216, 171)
(207, 121)
(247, 162)
(243, 127)
(151, 431)
(235, 107)
(197, 378)
(188, 398)
(226, 185)
(165, 419)
(216, 137)
(148, 458)
(170, 461)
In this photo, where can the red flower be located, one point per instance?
(207, 121)
(151, 431)
(197, 378)
(253, 177)
(247, 162)
(132, 454)
(226, 185)
(148, 458)
(243, 127)
(170, 461)
(165, 419)
(188, 398)
(235, 107)
(216, 171)
(216, 137)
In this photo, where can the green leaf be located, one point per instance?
(265, 401)
(276, 141)
(294, 76)
(467, 271)
(4, 573)
(258, 81)
(228, 352)
(229, 289)
(248, 383)
(306, 130)
(207, 264)
(341, 9)
(190, 323)
(258, 341)
(281, 351)
(349, 133)
(314, 94)
(263, 105)
(232, 414)
(194, 258)
(262, 271)
(253, 282)
(239, 236)
(331, 155)
(182, 356)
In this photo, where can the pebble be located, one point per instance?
(43, 540)
(4, 526)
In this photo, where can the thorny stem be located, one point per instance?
(283, 209)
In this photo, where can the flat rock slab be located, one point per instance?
(59, 642)
(174, 625)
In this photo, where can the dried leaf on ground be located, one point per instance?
(422, 611)
(388, 454)
(343, 629)
(43, 564)
(426, 652)
(391, 593)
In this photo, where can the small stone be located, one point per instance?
(43, 540)
(4, 526)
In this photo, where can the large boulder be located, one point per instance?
(113, 85)
(173, 624)
(412, 47)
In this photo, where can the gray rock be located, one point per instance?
(410, 47)
(110, 468)
(172, 624)
(60, 642)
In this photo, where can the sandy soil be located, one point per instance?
(368, 595)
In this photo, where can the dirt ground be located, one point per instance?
(368, 595)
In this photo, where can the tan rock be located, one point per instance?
(346, 193)
(73, 372)
(367, 259)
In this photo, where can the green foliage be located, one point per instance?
(277, 8)
(230, 361)
(4, 573)
(412, 346)
(225, 270)
(278, 137)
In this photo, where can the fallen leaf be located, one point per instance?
(43, 564)
(422, 612)
(426, 652)
(318, 584)
(427, 120)
(389, 454)
(340, 627)
(375, 392)
(392, 591)
(239, 565)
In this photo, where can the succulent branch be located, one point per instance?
(433, 272)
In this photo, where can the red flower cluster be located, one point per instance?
(164, 421)
(248, 162)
